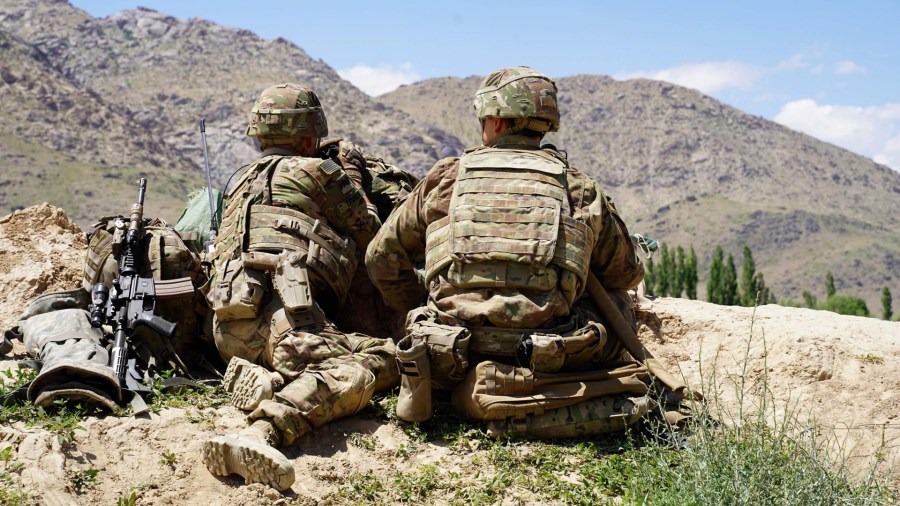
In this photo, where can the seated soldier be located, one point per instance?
(510, 233)
(292, 230)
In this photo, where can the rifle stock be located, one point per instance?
(629, 339)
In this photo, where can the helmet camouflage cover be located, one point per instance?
(519, 92)
(284, 112)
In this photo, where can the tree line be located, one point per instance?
(674, 274)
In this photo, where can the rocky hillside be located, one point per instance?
(148, 78)
(688, 169)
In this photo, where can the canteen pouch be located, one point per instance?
(414, 400)
(448, 351)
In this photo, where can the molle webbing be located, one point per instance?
(501, 342)
(99, 249)
(250, 188)
(331, 256)
(509, 225)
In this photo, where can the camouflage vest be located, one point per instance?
(510, 226)
(256, 237)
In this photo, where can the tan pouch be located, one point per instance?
(414, 399)
(291, 281)
(496, 391)
(600, 415)
(238, 292)
(448, 351)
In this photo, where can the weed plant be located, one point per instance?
(756, 452)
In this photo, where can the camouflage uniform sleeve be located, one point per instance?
(322, 189)
(613, 260)
(351, 158)
(392, 255)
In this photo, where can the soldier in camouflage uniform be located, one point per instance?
(509, 233)
(287, 252)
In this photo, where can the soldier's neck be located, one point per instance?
(279, 151)
(517, 141)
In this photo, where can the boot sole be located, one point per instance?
(248, 384)
(256, 462)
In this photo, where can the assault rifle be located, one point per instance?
(131, 301)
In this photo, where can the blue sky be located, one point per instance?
(827, 68)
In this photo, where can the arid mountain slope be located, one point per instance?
(163, 74)
(688, 169)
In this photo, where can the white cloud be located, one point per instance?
(872, 131)
(796, 61)
(848, 67)
(707, 77)
(381, 79)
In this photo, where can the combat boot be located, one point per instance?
(249, 384)
(251, 453)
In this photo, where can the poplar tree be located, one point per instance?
(691, 278)
(729, 283)
(664, 276)
(748, 288)
(650, 277)
(886, 302)
(765, 295)
(680, 273)
(829, 285)
(810, 300)
(714, 287)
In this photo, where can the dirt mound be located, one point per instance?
(840, 371)
(41, 250)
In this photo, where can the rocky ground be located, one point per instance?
(840, 372)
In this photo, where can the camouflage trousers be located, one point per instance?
(328, 374)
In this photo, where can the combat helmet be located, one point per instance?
(284, 112)
(520, 93)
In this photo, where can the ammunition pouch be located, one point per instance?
(237, 291)
(569, 346)
(545, 352)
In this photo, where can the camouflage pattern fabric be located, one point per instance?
(513, 286)
(329, 374)
(169, 257)
(385, 185)
(610, 413)
(403, 240)
(284, 112)
(74, 360)
(520, 93)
